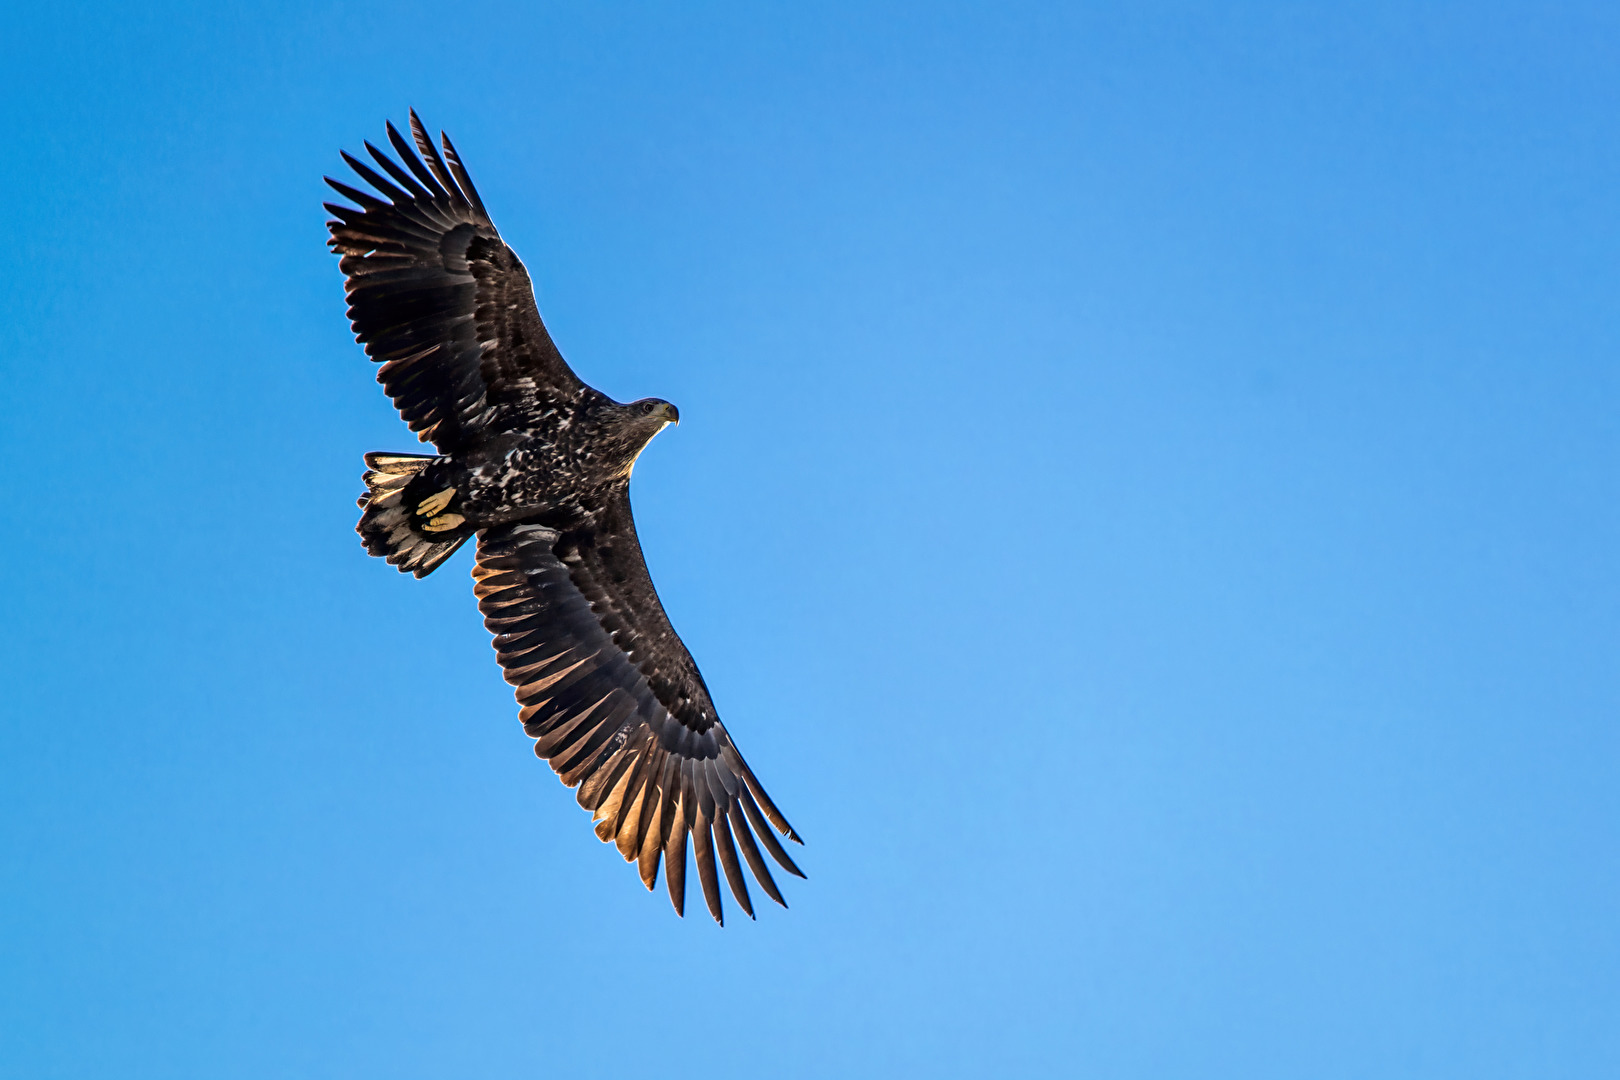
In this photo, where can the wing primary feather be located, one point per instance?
(713, 774)
(397, 245)
(414, 163)
(391, 167)
(729, 754)
(347, 215)
(549, 743)
(705, 789)
(657, 819)
(703, 856)
(460, 172)
(728, 863)
(647, 863)
(651, 805)
(756, 862)
(660, 821)
(582, 756)
(596, 789)
(689, 796)
(356, 242)
(594, 750)
(431, 156)
(372, 177)
(633, 806)
(768, 807)
(367, 202)
(566, 745)
(722, 773)
(766, 837)
(675, 857)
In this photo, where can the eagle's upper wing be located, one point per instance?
(441, 302)
(617, 705)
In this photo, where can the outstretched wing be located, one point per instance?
(617, 706)
(441, 302)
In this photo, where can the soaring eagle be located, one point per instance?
(536, 465)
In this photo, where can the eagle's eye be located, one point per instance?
(647, 407)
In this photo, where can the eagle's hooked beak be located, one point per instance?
(669, 413)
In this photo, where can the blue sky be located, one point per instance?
(1145, 503)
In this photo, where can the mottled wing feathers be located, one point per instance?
(616, 705)
(439, 300)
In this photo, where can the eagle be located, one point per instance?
(534, 465)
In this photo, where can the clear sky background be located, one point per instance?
(1146, 503)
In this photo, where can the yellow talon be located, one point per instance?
(444, 522)
(434, 503)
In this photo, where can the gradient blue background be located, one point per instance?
(1146, 503)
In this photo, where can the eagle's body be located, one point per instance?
(536, 465)
(560, 477)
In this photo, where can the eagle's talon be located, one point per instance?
(443, 523)
(431, 505)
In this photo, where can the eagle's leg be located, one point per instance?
(429, 512)
(431, 505)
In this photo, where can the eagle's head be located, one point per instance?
(655, 411)
(629, 428)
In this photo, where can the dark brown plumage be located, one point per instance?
(536, 465)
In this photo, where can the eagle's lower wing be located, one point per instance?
(617, 706)
(441, 302)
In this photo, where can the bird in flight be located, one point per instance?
(535, 466)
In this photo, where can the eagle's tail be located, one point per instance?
(390, 529)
